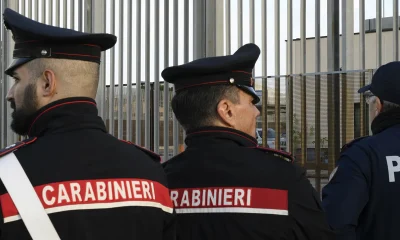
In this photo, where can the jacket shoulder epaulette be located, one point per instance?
(349, 144)
(16, 146)
(149, 153)
(284, 155)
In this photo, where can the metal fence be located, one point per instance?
(154, 34)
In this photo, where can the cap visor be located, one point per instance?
(15, 64)
(250, 90)
(364, 89)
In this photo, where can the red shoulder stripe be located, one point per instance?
(16, 146)
(148, 152)
(286, 155)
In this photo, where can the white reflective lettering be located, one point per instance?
(227, 196)
(248, 197)
(146, 190)
(391, 167)
(89, 192)
(136, 189)
(119, 190)
(212, 197)
(196, 198)
(44, 196)
(101, 191)
(239, 194)
(152, 190)
(75, 191)
(185, 199)
(174, 196)
(62, 194)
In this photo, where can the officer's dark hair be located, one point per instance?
(197, 106)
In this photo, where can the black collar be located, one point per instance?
(66, 115)
(219, 135)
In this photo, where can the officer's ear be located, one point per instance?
(47, 83)
(379, 105)
(226, 112)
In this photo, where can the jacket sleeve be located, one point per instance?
(305, 211)
(347, 193)
(170, 227)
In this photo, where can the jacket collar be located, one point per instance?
(219, 135)
(66, 115)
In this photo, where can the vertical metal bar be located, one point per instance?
(395, 30)
(186, 46)
(50, 11)
(37, 10)
(240, 23)
(199, 27)
(363, 108)
(211, 29)
(111, 100)
(318, 94)
(22, 7)
(138, 129)
(44, 11)
(157, 76)
(98, 20)
(175, 62)
(29, 9)
(333, 83)
(121, 71)
(57, 6)
(88, 14)
(344, 67)
(251, 20)
(264, 101)
(303, 83)
(277, 79)
(72, 13)
(147, 79)
(289, 122)
(80, 22)
(228, 26)
(65, 14)
(166, 85)
(129, 75)
(378, 33)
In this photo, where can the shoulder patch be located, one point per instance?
(16, 146)
(284, 155)
(347, 145)
(153, 155)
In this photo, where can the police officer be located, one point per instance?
(362, 198)
(223, 186)
(91, 185)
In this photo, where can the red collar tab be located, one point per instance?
(153, 155)
(16, 146)
(287, 156)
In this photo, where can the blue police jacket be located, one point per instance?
(362, 198)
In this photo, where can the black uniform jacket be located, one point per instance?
(225, 187)
(362, 199)
(92, 185)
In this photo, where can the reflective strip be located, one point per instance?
(25, 199)
(232, 210)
